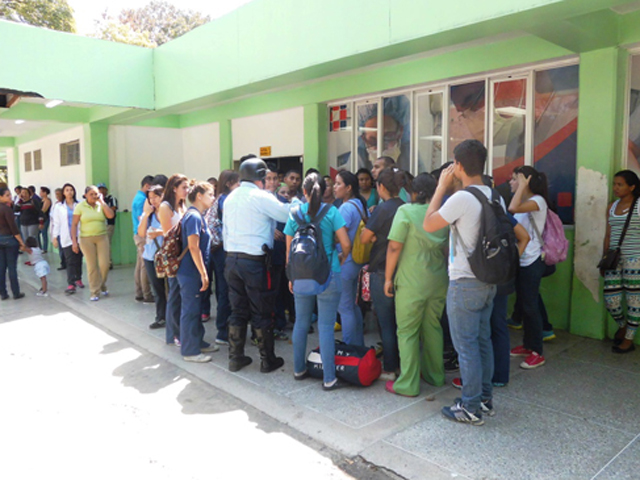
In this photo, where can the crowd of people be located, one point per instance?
(433, 314)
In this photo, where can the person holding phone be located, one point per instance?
(92, 214)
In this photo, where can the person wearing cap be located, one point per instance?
(249, 220)
(112, 202)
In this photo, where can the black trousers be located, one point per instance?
(251, 292)
(159, 290)
(74, 265)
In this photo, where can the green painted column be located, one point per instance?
(226, 145)
(96, 137)
(16, 165)
(315, 137)
(602, 83)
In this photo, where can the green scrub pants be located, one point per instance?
(418, 320)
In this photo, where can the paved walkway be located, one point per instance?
(574, 418)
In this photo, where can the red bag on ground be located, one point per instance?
(354, 364)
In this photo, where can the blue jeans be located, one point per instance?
(469, 306)
(159, 292)
(327, 308)
(500, 339)
(44, 235)
(352, 322)
(531, 307)
(386, 311)
(191, 328)
(223, 309)
(9, 248)
(172, 329)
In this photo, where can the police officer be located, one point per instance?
(249, 219)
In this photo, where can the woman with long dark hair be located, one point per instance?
(171, 210)
(228, 181)
(10, 244)
(332, 224)
(353, 209)
(390, 182)
(621, 284)
(529, 206)
(150, 229)
(63, 218)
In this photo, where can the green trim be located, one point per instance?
(40, 113)
(7, 141)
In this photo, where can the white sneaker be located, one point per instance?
(211, 348)
(105, 293)
(40, 293)
(94, 299)
(197, 358)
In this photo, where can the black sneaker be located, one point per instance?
(158, 324)
(451, 364)
(486, 407)
(458, 413)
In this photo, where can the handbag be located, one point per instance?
(611, 259)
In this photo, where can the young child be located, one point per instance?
(40, 265)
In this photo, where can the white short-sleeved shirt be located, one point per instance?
(534, 247)
(462, 210)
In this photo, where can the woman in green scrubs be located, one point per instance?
(420, 288)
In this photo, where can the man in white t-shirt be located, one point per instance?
(469, 301)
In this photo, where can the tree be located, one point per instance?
(53, 14)
(149, 26)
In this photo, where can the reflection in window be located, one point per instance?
(555, 134)
(633, 151)
(509, 117)
(466, 114)
(396, 132)
(429, 132)
(340, 134)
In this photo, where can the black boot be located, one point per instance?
(237, 359)
(265, 345)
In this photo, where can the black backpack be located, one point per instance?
(495, 258)
(308, 269)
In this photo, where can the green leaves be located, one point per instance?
(53, 14)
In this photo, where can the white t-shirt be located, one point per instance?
(534, 247)
(462, 211)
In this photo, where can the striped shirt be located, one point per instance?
(631, 244)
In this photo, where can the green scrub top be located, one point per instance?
(422, 264)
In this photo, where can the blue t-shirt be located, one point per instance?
(136, 209)
(193, 224)
(350, 212)
(331, 223)
(150, 247)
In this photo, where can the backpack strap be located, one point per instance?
(297, 215)
(535, 228)
(320, 214)
(482, 198)
(356, 202)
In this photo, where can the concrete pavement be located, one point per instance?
(574, 418)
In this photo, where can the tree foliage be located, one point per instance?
(53, 14)
(149, 26)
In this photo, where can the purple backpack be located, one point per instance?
(554, 243)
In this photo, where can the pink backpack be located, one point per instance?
(554, 243)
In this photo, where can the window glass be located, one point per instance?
(397, 130)
(340, 136)
(555, 134)
(429, 146)
(509, 116)
(466, 114)
(367, 134)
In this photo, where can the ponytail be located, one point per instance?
(538, 183)
(351, 180)
(395, 180)
(314, 187)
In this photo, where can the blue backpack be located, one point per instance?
(309, 268)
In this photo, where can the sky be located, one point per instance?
(86, 12)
